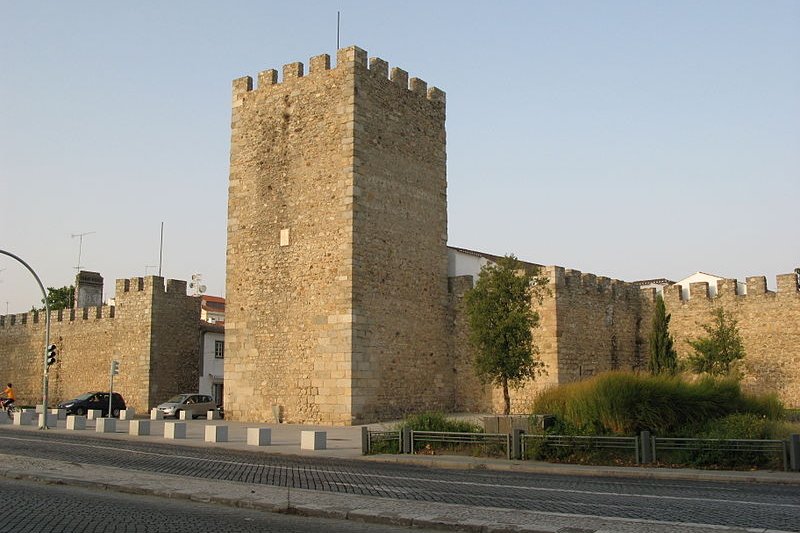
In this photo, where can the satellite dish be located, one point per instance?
(201, 289)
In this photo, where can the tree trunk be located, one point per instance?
(506, 398)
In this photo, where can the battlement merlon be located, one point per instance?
(352, 58)
(788, 285)
(150, 284)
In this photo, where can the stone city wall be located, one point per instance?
(769, 323)
(401, 362)
(288, 314)
(88, 339)
(326, 171)
(588, 324)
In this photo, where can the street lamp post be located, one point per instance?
(42, 419)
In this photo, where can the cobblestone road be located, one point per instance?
(31, 508)
(732, 504)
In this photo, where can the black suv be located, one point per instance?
(94, 400)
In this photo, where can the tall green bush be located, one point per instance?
(618, 403)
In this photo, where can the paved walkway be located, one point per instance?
(345, 442)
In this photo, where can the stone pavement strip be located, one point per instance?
(345, 443)
(328, 505)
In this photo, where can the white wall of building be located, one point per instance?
(464, 264)
(711, 279)
(211, 377)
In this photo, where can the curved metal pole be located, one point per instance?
(42, 419)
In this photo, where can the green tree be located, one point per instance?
(61, 298)
(718, 352)
(663, 358)
(501, 320)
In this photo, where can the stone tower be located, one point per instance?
(336, 259)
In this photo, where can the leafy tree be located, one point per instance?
(718, 352)
(61, 298)
(501, 319)
(663, 358)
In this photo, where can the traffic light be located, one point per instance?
(51, 354)
(114, 368)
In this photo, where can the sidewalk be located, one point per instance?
(345, 442)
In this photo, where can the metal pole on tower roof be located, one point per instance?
(338, 20)
(161, 249)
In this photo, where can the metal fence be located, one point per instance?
(488, 443)
(643, 449)
(718, 448)
(581, 443)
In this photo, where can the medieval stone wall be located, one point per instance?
(289, 270)
(175, 352)
(587, 325)
(328, 172)
(769, 323)
(401, 361)
(88, 339)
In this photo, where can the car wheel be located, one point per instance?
(115, 412)
(80, 411)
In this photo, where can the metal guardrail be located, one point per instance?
(461, 439)
(584, 443)
(644, 448)
(378, 437)
(722, 445)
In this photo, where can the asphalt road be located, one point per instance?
(30, 507)
(742, 505)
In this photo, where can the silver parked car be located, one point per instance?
(193, 404)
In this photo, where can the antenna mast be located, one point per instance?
(80, 246)
(161, 249)
(338, 20)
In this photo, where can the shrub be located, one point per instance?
(436, 421)
(620, 403)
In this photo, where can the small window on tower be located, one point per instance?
(219, 349)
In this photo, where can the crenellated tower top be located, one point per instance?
(352, 58)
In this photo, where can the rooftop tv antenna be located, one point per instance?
(80, 246)
(338, 21)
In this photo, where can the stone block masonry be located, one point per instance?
(587, 325)
(769, 323)
(336, 260)
(153, 331)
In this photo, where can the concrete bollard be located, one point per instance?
(106, 425)
(313, 440)
(93, 414)
(174, 430)
(259, 436)
(23, 418)
(183, 415)
(155, 414)
(213, 414)
(76, 422)
(50, 421)
(61, 414)
(127, 414)
(216, 433)
(139, 427)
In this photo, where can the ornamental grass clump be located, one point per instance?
(619, 403)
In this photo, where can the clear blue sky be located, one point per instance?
(628, 139)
